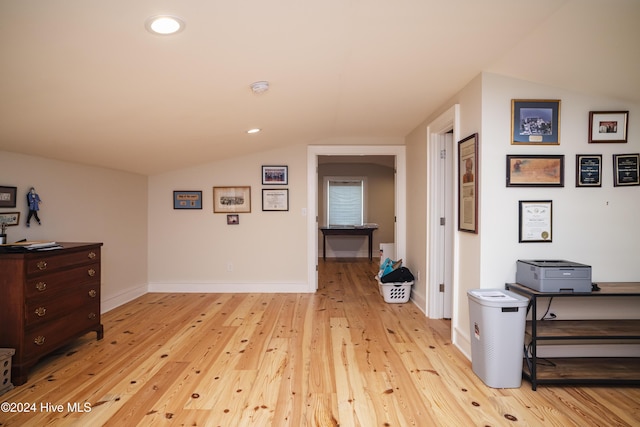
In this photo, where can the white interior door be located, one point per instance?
(446, 240)
(441, 220)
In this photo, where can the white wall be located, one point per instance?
(595, 226)
(196, 251)
(86, 204)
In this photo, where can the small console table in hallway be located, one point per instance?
(342, 230)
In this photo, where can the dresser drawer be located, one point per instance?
(51, 284)
(44, 338)
(42, 311)
(52, 260)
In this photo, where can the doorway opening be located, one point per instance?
(316, 154)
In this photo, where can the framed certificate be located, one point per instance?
(275, 200)
(535, 221)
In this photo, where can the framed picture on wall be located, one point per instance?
(468, 184)
(536, 221)
(187, 200)
(275, 175)
(275, 199)
(535, 171)
(535, 122)
(10, 218)
(8, 197)
(608, 126)
(232, 199)
(588, 170)
(625, 169)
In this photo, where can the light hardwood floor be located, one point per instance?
(341, 356)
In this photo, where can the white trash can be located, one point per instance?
(497, 320)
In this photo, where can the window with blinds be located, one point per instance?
(345, 200)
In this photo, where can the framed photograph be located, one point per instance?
(187, 200)
(468, 184)
(232, 199)
(608, 126)
(233, 219)
(10, 218)
(625, 169)
(535, 221)
(588, 170)
(275, 175)
(275, 200)
(535, 122)
(8, 197)
(535, 171)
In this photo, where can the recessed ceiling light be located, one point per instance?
(164, 25)
(254, 130)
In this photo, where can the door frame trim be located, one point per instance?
(446, 122)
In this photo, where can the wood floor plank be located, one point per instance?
(339, 357)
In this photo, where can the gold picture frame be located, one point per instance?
(232, 199)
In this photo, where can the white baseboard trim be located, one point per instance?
(348, 254)
(462, 341)
(238, 288)
(109, 304)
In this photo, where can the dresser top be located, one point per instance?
(23, 247)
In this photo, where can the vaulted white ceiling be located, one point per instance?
(84, 81)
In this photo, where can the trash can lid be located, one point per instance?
(497, 298)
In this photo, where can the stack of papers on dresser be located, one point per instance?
(37, 246)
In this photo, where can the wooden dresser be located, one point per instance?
(47, 299)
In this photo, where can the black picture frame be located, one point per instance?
(535, 170)
(275, 199)
(275, 175)
(8, 196)
(187, 199)
(468, 184)
(588, 170)
(535, 122)
(625, 170)
(535, 221)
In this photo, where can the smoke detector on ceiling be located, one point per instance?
(259, 87)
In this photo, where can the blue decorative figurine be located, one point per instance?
(33, 200)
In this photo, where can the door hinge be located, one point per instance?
(443, 154)
(441, 287)
(443, 221)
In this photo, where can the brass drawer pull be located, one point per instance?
(39, 340)
(92, 316)
(41, 286)
(42, 265)
(92, 255)
(40, 311)
(93, 293)
(91, 272)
